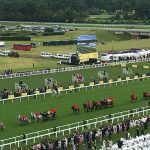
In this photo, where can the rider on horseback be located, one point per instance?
(75, 108)
(53, 113)
(23, 117)
(133, 97)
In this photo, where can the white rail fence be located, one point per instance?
(34, 137)
(109, 29)
(77, 88)
(40, 72)
(75, 24)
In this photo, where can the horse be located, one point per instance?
(36, 117)
(88, 107)
(146, 94)
(23, 119)
(97, 104)
(133, 98)
(75, 109)
(45, 115)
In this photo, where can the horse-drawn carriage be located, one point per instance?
(90, 106)
(146, 94)
(75, 108)
(49, 114)
(43, 116)
(38, 116)
(133, 98)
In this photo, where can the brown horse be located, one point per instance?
(133, 97)
(97, 104)
(146, 94)
(88, 107)
(75, 109)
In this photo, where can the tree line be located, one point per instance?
(70, 10)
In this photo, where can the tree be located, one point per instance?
(142, 9)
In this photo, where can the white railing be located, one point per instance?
(39, 72)
(75, 24)
(76, 88)
(67, 129)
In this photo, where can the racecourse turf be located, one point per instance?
(63, 103)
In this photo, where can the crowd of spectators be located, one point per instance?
(9, 72)
(90, 140)
(138, 143)
(5, 93)
(133, 58)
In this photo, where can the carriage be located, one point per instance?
(133, 98)
(146, 94)
(49, 114)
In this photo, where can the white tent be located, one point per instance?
(2, 44)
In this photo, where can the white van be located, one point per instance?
(2, 44)
(45, 55)
(5, 53)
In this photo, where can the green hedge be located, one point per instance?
(15, 38)
(21, 34)
(63, 42)
(53, 33)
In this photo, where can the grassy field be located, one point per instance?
(65, 78)
(115, 42)
(121, 94)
